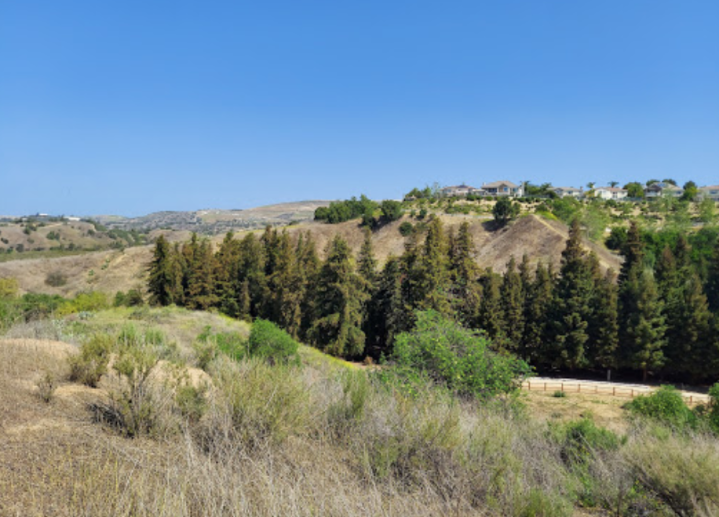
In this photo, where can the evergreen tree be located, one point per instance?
(491, 314)
(464, 273)
(226, 260)
(309, 266)
(162, 280)
(387, 314)
(512, 297)
(633, 251)
(712, 284)
(433, 274)
(285, 286)
(538, 306)
(201, 283)
(604, 322)
(644, 335)
(338, 327)
(573, 303)
(251, 270)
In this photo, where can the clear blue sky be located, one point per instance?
(136, 106)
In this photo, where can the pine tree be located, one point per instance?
(162, 282)
(285, 286)
(512, 297)
(604, 322)
(464, 273)
(712, 284)
(633, 251)
(338, 327)
(491, 314)
(538, 306)
(251, 270)
(366, 262)
(433, 277)
(309, 267)
(572, 303)
(387, 315)
(201, 284)
(226, 260)
(644, 337)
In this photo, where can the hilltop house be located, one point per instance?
(662, 189)
(712, 192)
(576, 193)
(503, 188)
(615, 193)
(460, 190)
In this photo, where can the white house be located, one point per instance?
(576, 193)
(460, 190)
(503, 188)
(662, 189)
(712, 192)
(615, 193)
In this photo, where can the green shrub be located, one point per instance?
(88, 366)
(665, 405)
(441, 350)
(406, 229)
(559, 394)
(271, 343)
(580, 439)
(713, 413)
(56, 279)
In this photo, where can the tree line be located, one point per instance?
(659, 320)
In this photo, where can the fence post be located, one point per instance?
(614, 391)
(562, 386)
(579, 388)
(545, 386)
(529, 385)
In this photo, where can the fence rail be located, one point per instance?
(597, 389)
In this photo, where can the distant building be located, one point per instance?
(662, 189)
(576, 193)
(460, 190)
(615, 193)
(73, 219)
(503, 188)
(712, 192)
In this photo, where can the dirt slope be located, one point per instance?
(111, 271)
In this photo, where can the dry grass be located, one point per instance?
(320, 440)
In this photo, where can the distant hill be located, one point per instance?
(120, 270)
(217, 221)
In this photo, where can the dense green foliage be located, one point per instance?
(460, 359)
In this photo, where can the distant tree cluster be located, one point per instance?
(341, 211)
(660, 319)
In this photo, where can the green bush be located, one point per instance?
(406, 229)
(271, 343)
(665, 405)
(441, 350)
(580, 439)
(559, 394)
(88, 366)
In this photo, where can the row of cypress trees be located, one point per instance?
(662, 319)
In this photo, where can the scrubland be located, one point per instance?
(184, 421)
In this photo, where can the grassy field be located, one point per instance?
(326, 437)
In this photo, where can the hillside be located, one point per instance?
(120, 270)
(217, 221)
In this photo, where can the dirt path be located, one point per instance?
(617, 389)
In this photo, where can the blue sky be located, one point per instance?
(135, 106)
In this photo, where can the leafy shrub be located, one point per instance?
(559, 394)
(270, 342)
(460, 359)
(406, 229)
(84, 302)
(665, 405)
(580, 439)
(90, 364)
(56, 279)
(8, 287)
(713, 414)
